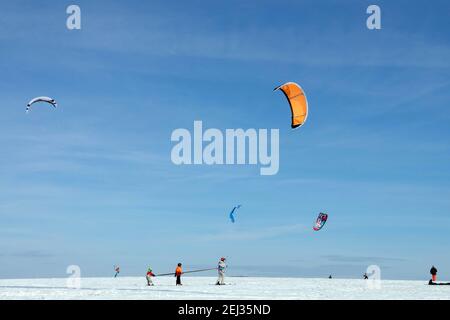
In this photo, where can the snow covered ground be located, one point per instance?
(204, 288)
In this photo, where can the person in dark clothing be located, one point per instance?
(330, 277)
(365, 276)
(178, 273)
(433, 272)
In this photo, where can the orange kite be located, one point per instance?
(298, 102)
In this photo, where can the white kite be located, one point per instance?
(41, 99)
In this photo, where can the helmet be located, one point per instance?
(222, 259)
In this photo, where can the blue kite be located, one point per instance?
(233, 212)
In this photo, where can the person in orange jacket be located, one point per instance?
(178, 273)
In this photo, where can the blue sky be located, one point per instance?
(92, 183)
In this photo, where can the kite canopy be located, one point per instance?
(232, 218)
(41, 99)
(298, 102)
(320, 222)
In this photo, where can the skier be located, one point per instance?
(330, 277)
(365, 276)
(221, 270)
(178, 273)
(117, 270)
(433, 272)
(149, 276)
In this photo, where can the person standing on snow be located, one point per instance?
(433, 272)
(221, 270)
(117, 270)
(178, 273)
(149, 276)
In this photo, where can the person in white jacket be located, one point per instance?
(221, 270)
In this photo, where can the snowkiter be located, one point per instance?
(117, 270)
(433, 272)
(221, 270)
(178, 273)
(149, 276)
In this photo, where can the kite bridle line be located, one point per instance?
(173, 273)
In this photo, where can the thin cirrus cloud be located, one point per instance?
(256, 234)
(27, 254)
(362, 259)
(146, 33)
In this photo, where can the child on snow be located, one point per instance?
(149, 276)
